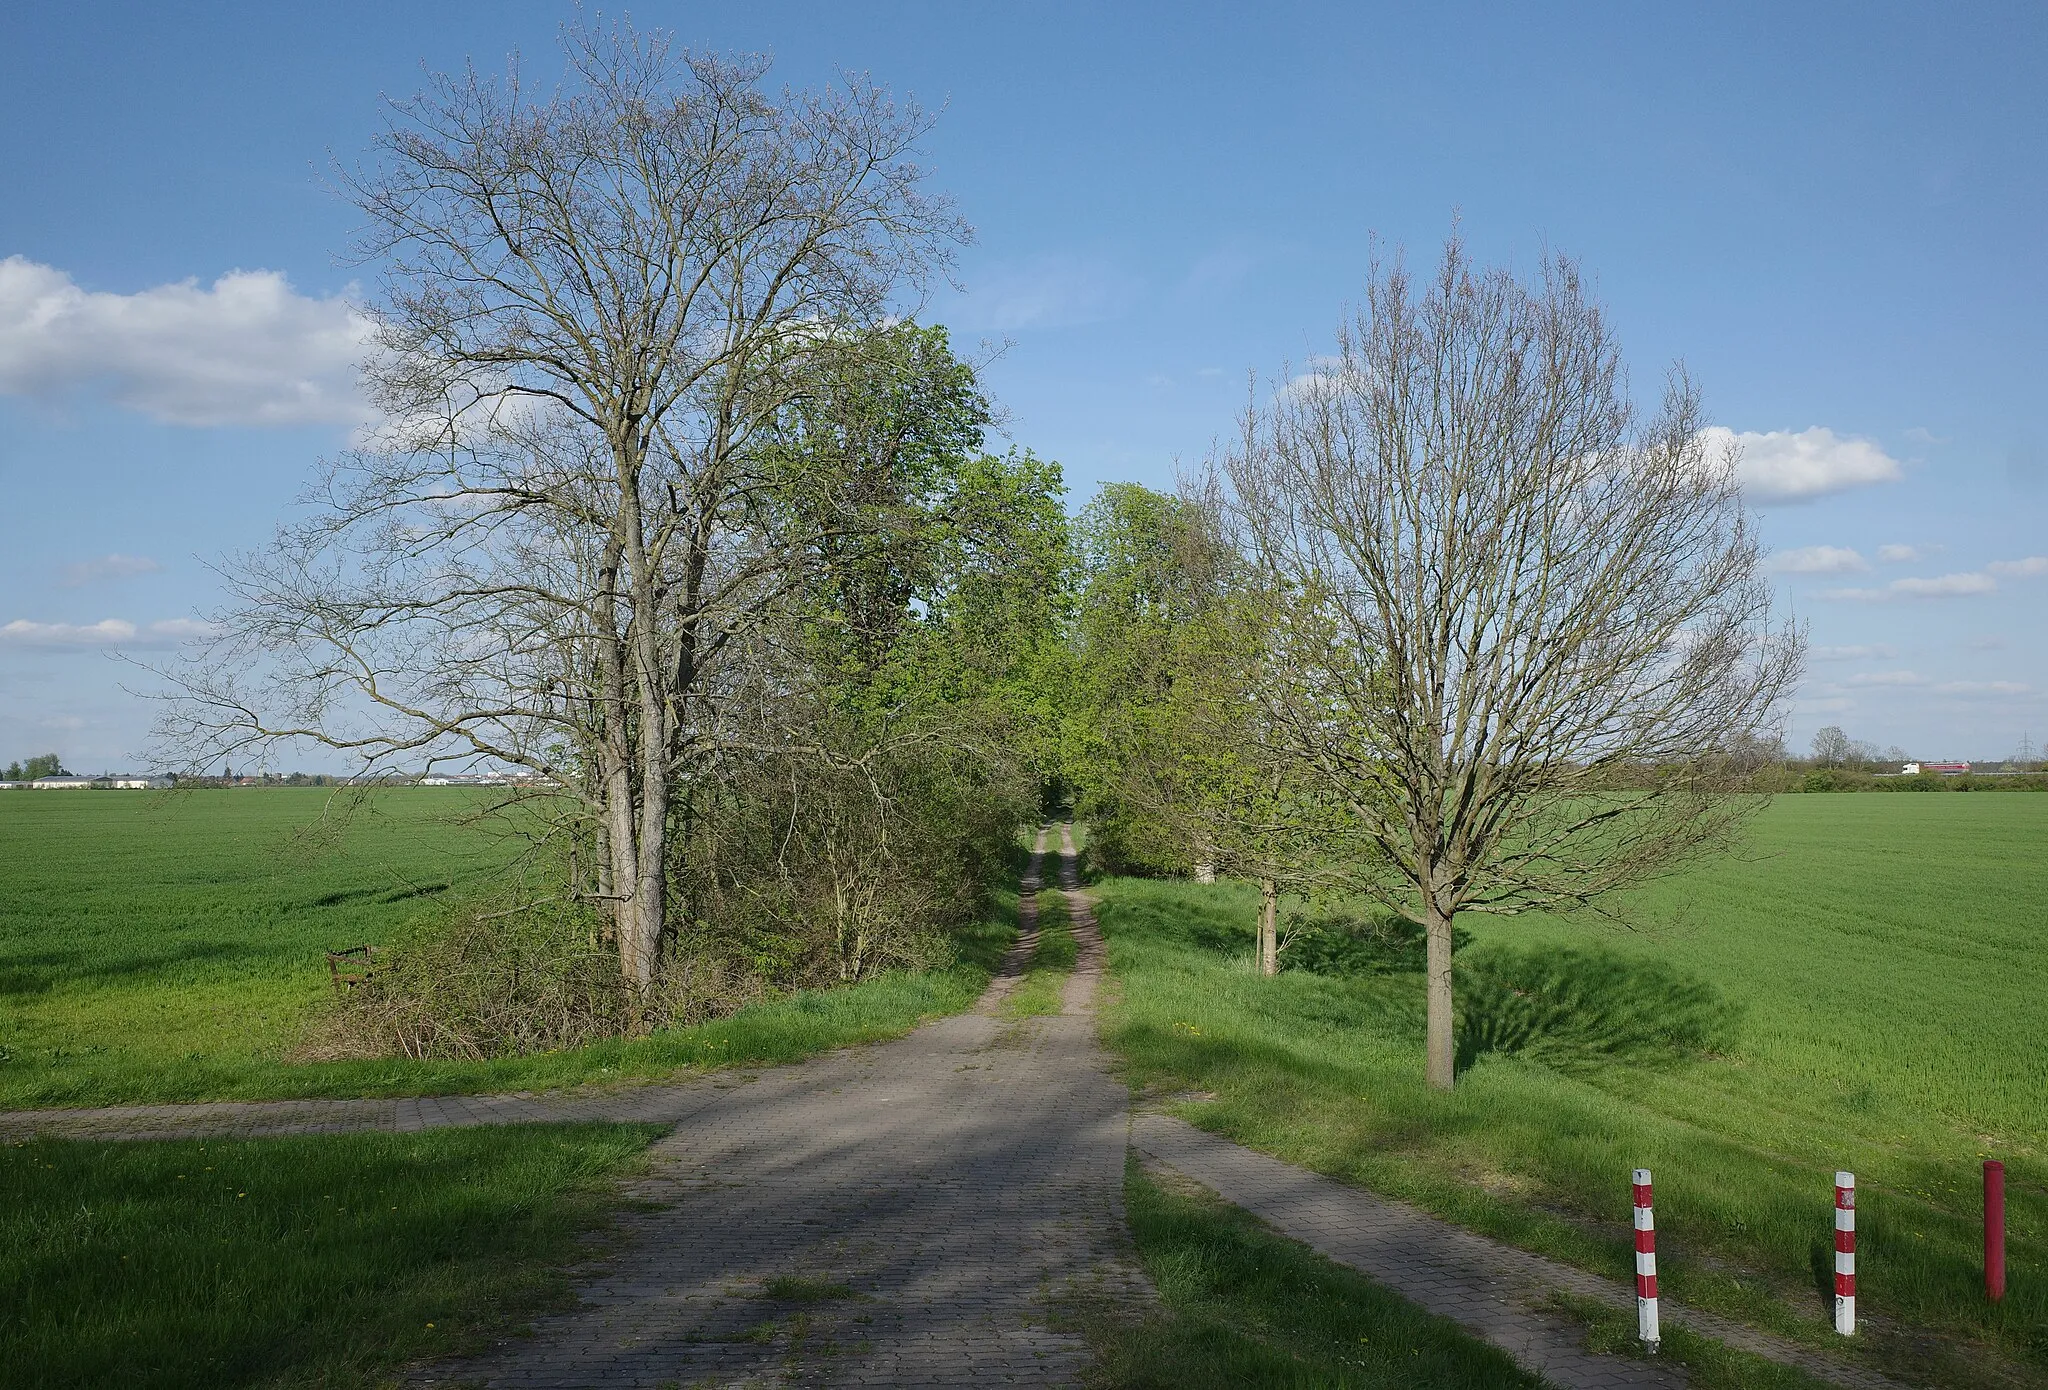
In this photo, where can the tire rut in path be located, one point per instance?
(951, 1181)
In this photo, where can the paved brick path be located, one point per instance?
(1494, 1290)
(951, 1180)
(948, 1182)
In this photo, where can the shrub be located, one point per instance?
(511, 983)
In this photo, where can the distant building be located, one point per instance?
(15, 786)
(116, 781)
(1943, 769)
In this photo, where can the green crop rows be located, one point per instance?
(1871, 972)
(159, 948)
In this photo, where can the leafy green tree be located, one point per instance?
(907, 739)
(46, 765)
(565, 554)
(1169, 733)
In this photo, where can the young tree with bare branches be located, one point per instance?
(1528, 628)
(564, 550)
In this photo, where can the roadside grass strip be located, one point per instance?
(172, 948)
(1854, 931)
(325, 1260)
(1245, 1306)
(1709, 1365)
(1040, 990)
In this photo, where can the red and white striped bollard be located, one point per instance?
(1994, 1229)
(1646, 1263)
(1845, 1254)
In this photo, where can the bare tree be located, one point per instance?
(562, 551)
(1528, 626)
(1833, 748)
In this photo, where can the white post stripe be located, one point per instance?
(1845, 1254)
(1646, 1261)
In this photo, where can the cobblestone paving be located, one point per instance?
(900, 1214)
(1494, 1290)
(946, 1184)
(664, 1103)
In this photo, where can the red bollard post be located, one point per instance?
(1845, 1254)
(1646, 1263)
(1994, 1229)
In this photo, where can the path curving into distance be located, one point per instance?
(938, 1190)
(904, 1213)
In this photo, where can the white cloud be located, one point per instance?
(1903, 554)
(1783, 466)
(107, 632)
(247, 350)
(1875, 651)
(1818, 559)
(108, 567)
(1886, 678)
(1920, 434)
(2032, 565)
(182, 629)
(1942, 586)
(1044, 292)
(1218, 272)
(1983, 688)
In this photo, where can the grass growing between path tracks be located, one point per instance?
(322, 1260)
(172, 947)
(1885, 957)
(1245, 1306)
(1043, 987)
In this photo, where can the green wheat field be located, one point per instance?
(1865, 987)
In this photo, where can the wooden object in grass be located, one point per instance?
(350, 966)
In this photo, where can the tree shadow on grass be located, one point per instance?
(1580, 1010)
(1349, 944)
(37, 972)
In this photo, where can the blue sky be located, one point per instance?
(1834, 214)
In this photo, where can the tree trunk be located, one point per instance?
(1205, 871)
(650, 896)
(1269, 927)
(623, 882)
(1442, 1040)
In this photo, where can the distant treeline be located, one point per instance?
(274, 779)
(1792, 778)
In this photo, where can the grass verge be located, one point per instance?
(322, 1260)
(1709, 1365)
(1244, 1306)
(1043, 985)
(161, 949)
(1325, 1070)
